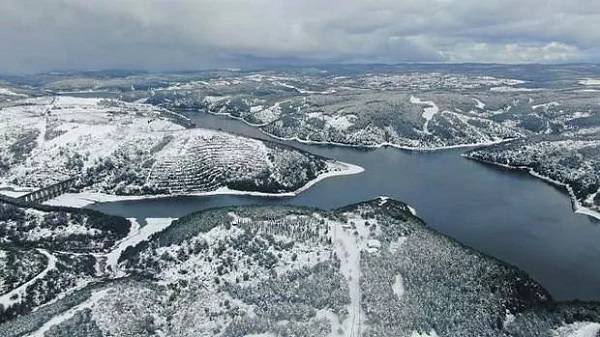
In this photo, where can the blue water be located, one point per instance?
(503, 213)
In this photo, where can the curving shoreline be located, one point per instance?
(388, 144)
(84, 199)
(576, 204)
(359, 146)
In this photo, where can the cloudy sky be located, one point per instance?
(44, 35)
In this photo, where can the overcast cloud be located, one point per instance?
(173, 35)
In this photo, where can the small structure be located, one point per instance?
(49, 192)
(373, 246)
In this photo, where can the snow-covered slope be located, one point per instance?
(570, 161)
(370, 269)
(120, 148)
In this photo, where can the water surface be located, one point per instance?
(504, 213)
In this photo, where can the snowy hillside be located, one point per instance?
(370, 269)
(572, 161)
(59, 229)
(410, 110)
(120, 148)
(47, 252)
(364, 110)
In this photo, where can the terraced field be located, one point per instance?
(125, 149)
(206, 163)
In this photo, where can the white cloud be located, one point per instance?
(191, 34)
(553, 52)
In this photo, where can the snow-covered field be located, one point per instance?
(8, 92)
(16, 296)
(314, 238)
(369, 268)
(590, 81)
(83, 199)
(119, 148)
(137, 235)
(56, 320)
(578, 329)
(428, 112)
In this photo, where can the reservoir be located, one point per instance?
(504, 213)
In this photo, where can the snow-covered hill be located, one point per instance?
(370, 269)
(570, 161)
(133, 149)
(48, 251)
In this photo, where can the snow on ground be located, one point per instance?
(7, 92)
(77, 102)
(197, 266)
(508, 319)
(88, 133)
(432, 333)
(590, 81)
(590, 199)
(338, 122)
(383, 200)
(428, 112)
(398, 286)
(545, 105)
(214, 99)
(341, 122)
(94, 298)
(83, 199)
(16, 295)
(348, 246)
(78, 200)
(136, 235)
(578, 329)
(334, 320)
(61, 232)
(334, 169)
(13, 193)
(349, 239)
(513, 89)
(580, 114)
(83, 126)
(267, 115)
(395, 246)
(304, 253)
(480, 104)
(236, 219)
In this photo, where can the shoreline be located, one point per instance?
(241, 119)
(392, 145)
(576, 205)
(84, 199)
(259, 127)
(137, 234)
